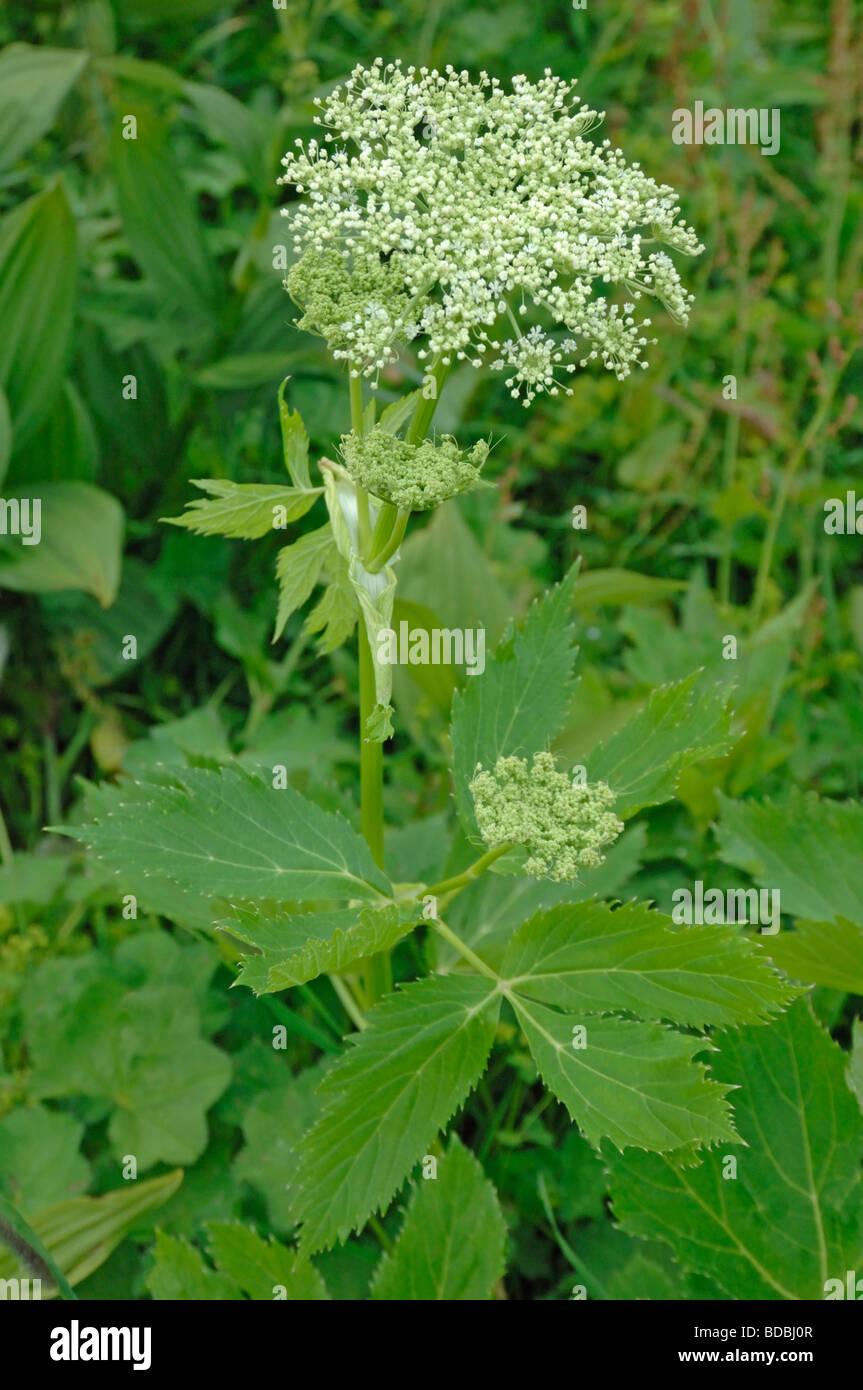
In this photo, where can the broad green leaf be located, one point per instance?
(40, 1158)
(80, 1234)
(180, 1273)
(229, 835)
(615, 587)
(519, 702)
(430, 1263)
(273, 1124)
(295, 441)
(81, 545)
(585, 956)
(384, 1101)
(33, 83)
(466, 590)
(5, 434)
(244, 511)
(169, 248)
(158, 1073)
(807, 848)
(264, 1269)
(37, 295)
(678, 726)
(820, 953)
(294, 950)
(243, 130)
(791, 1217)
(245, 371)
(633, 1083)
(32, 878)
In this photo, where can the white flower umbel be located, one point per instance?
(442, 211)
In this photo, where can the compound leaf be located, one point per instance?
(423, 1050)
(430, 1261)
(791, 1217)
(295, 949)
(808, 848)
(633, 1083)
(244, 511)
(679, 725)
(262, 1268)
(228, 834)
(586, 956)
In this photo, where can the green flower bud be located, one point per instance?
(337, 299)
(561, 825)
(414, 477)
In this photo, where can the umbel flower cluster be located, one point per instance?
(441, 211)
(562, 826)
(412, 476)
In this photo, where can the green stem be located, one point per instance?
(364, 520)
(765, 560)
(380, 557)
(422, 416)
(387, 517)
(466, 953)
(474, 871)
(378, 975)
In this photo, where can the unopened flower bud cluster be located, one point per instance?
(441, 210)
(412, 476)
(563, 826)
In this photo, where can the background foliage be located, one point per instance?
(153, 260)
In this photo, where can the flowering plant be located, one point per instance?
(436, 217)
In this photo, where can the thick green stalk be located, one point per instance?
(377, 976)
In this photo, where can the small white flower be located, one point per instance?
(436, 206)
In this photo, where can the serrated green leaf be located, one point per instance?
(384, 1101)
(633, 1083)
(808, 848)
(335, 614)
(586, 956)
(791, 1218)
(181, 1274)
(678, 726)
(295, 949)
(227, 834)
(518, 704)
(80, 1234)
(430, 1263)
(295, 441)
(298, 570)
(263, 1268)
(820, 953)
(243, 511)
